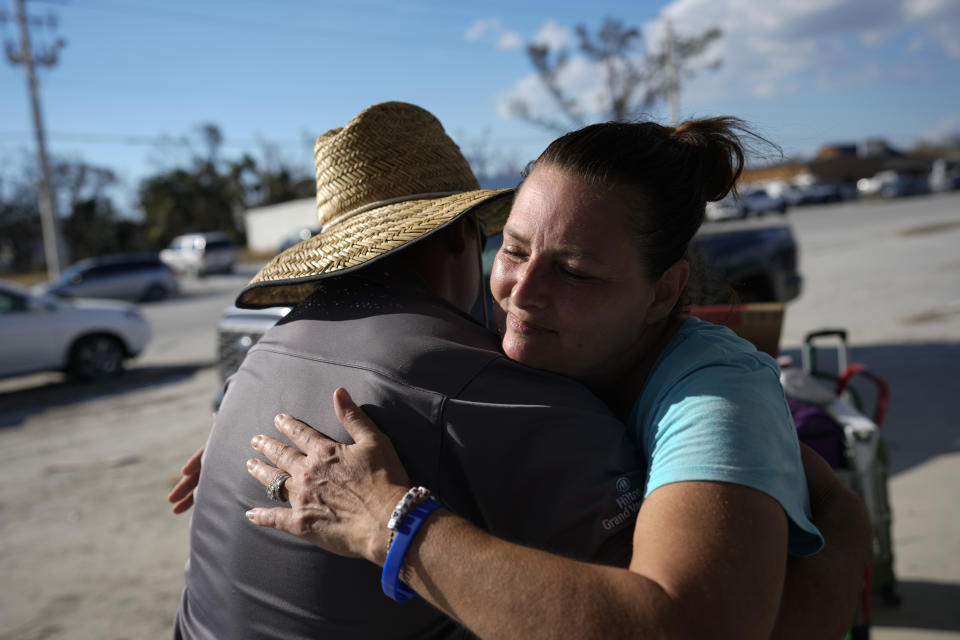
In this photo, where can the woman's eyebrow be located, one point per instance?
(563, 251)
(509, 231)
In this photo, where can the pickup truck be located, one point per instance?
(755, 258)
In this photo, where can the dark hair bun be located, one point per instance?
(720, 144)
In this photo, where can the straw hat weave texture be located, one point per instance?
(390, 177)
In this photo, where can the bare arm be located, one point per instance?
(822, 591)
(696, 584)
(709, 558)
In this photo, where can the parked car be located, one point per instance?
(753, 202)
(198, 254)
(756, 259)
(725, 209)
(892, 184)
(757, 202)
(89, 339)
(942, 177)
(238, 330)
(129, 276)
(820, 193)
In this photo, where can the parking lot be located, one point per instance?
(88, 548)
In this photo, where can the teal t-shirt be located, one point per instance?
(712, 409)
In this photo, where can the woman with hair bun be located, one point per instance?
(588, 284)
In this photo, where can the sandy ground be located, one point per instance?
(87, 546)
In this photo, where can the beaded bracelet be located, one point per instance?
(390, 580)
(407, 502)
(409, 499)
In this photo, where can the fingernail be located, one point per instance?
(256, 440)
(279, 418)
(250, 464)
(249, 514)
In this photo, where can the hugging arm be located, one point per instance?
(680, 584)
(822, 591)
(709, 558)
(181, 496)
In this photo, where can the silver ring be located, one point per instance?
(276, 486)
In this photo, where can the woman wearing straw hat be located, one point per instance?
(587, 283)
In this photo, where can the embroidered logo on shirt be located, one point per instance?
(628, 501)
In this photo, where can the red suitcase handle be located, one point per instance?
(883, 390)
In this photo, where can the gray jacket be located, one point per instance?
(527, 455)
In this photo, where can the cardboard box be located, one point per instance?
(758, 322)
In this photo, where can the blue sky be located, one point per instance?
(280, 72)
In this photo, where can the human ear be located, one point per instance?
(667, 290)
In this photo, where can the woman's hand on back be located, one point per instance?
(341, 495)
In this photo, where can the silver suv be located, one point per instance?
(128, 276)
(198, 254)
(89, 339)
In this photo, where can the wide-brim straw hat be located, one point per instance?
(390, 177)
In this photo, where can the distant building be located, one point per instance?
(842, 164)
(267, 227)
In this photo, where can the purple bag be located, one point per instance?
(818, 430)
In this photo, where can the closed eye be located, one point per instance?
(574, 274)
(513, 251)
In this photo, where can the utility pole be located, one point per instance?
(47, 202)
(673, 82)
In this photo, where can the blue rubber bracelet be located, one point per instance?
(390, 580)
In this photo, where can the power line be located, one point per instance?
(143, 140)
(259, 26)
(148, 140)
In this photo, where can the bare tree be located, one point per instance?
(673, 63)
(633, 80)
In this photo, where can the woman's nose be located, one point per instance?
(530, 288)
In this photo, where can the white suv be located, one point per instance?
(87, 338)
(198, 254)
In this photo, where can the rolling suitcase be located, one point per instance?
(855, 447)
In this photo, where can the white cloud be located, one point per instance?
(579, 78)
(946, 35)
(480, 27)
(765, 45)
(553, 35)
(527, 89)
(929, 9)
(876, 37)
(917, 44)
(771, 49)
(509, 41)
(765, 89)
(504, 39)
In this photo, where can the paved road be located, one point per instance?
(889, 272)
(111, 567)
